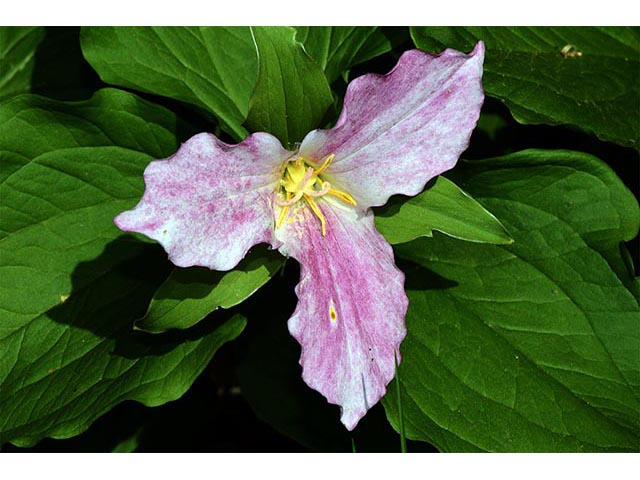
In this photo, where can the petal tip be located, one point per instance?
(477, 54)
(121, 221)
(479, 49)
(350, 420)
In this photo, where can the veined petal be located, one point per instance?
(399, 130)
(351, 306)
(210, 202)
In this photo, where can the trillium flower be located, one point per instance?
(210, 202)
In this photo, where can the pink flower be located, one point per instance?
(211, 202)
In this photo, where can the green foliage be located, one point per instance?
(531, 346)
(213, 68)
(292, 94)
(190, 294)
(442, 207)
(34, 126)
(18, 47)
(70, 283)
(582, 76)
(337, 49)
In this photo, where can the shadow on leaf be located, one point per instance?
(113, 290)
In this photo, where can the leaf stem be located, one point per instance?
(403, 438)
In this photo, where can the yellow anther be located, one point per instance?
(299, 180)
(325, 164)
(283, 213)
(318, 212)
(344, 196)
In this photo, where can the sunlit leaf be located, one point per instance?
(337, 49)
(292, 94)
(190, 294)
(442, 207)
(213, 68)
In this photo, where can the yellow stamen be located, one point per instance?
(325, 164)
(344, 196)
(283, 212)
(318, 212)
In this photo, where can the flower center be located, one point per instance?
(301, 181)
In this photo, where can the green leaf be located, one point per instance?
(337, 49)
(114, 431)
(531, 346)
(190, 294)
(442, 207)
(18, 47)
(592, 85)
(71, 284)
(33, 126)
(292, 94)
(213, 68)
(595, 203)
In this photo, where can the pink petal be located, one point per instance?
(350, 272)
(210, 202)
(397, 131)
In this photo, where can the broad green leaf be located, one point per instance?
(190, 294)
(114, 431)
(604, 213)
(292, 94)
(582, 76)
(71, 284)
(213, 68)
(337, 49)
(531, 346)
(33, 126)
(18, 47)
(442, 207)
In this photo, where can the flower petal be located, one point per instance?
(210, 202)
(397, 131)
(351, 306)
